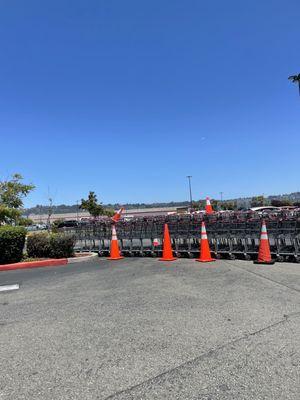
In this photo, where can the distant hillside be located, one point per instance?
(291, 196)
(63, 208)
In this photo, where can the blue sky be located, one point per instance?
(126, 98)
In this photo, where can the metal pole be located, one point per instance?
(221, 198)
(77, 210)
(190, 188)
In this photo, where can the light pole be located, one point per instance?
(77, 209)
(190, 188)
(221, 198)
(40, 208)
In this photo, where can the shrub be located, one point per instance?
(12, 240)
(24, 221)
(54, 246)
(61, 246)
(55, 225)
(38, 245)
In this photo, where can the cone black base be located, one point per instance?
(264, 262)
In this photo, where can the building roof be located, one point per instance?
(264, 208)
(85, 214)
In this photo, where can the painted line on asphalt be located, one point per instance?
(6, 288)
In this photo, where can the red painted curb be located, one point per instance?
(34, 264)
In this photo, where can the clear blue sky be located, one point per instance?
(126, 98)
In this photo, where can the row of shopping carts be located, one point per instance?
(235, 235)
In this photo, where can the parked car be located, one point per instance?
(85, 221)
(31, 228)
(36, 227)
(42, 227)
(68, 224)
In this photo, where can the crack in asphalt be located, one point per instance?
(209, 353)
(262, 276)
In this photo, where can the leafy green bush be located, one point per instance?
(24, 221)
(38, 245)
(12, 240)
(55, 225)
(61, 246)
(56, 245)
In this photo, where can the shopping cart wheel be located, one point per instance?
(190, 255)
(247, 257)
(297, 259)
(232, 257)
(279, 258)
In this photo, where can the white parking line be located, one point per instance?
(6, 288)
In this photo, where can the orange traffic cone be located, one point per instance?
(204, 247)
(264, 253)
(117, 215)
(114, 246)
(208, 207)
(167, 246)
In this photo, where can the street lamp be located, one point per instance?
(221, 198)
(77, 209)
(190, 188)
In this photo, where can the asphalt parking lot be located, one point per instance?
(143, 329)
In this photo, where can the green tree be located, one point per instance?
(280, 203)
(24, 221)
(258, 201)
(91, 205)
(8, 215)
(12, 193)
(215, 204)
(109, 212)
(198, 205)
(228, 205)
(295, 79)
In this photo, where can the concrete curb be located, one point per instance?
(46, 263)
(73, 260)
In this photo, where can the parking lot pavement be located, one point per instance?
(143, 329)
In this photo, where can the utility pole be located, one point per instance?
(77, 202)
(190, 189)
